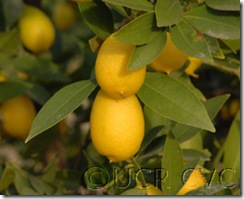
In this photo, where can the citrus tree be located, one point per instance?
(111, 97)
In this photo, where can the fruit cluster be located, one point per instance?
(117, 122)
(171, 59)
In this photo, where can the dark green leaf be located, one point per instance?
(140, 31)
(135, 192)
(98, 17)
(34, 146)
(49, 172)
(7, 178)
(12, 11)
(150, 136)
(167, 96)
(120, 9)
(22, 184)
(40, 68)
(188, 41)
(11, 89)
(60, 105)
(194, 142)
(218, 24)
(193, 154)
(234, 45)
(172, 164)
(228, 5)
(214, 47)
(213, 105)
(232, 151)
(39, 93)
(184, 78)
(70, 178)
(168, 12)
(145, 54)
(9, 42)
(142, 5)
(153, 119)
(42, 187)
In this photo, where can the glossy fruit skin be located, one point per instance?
(64, 15)
(37, 32)
(117, 126)
(17, 116)
(111, 69)
(170, 58)
(195, 181)
(195, 63)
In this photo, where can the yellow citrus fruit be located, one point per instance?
(234, 107)
(111, 69)
(152, 190)
(22, 75)
(36, 30)
(195, 181)
(170, 58)
(195, 63)
(117, 126)
(64, 15)
(2, 78)
(17, 116)
(62, 127)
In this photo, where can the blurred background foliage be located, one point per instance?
(62, 159)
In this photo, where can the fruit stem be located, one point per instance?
(140, 174)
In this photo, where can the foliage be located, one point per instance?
(177, 108)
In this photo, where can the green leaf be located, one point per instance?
(60, 105)
(7, 178)
(22, 184)
(40, 68)
(187, 40)
(12, 88)
(234, 45)
(12, 10)
(172, 164)
(42, 187)
(214, 47)
(49, 172)
(232, 151)
(39, 93)
(194, 142)
(168, 12)
(135, 192)
(140, 31)
(9, 42)
(153, 119)
(185, 79)
(141, 5)
(150, 136)
(145, 54)
(228, 5)
(119, 9)
(218, 24)
(167, 96)
(209, 190)
(98, 17)
(194, 154)
(70, 178)
(183, 132)
(34, 146)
